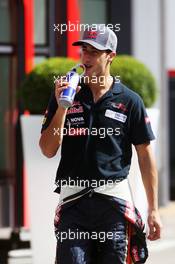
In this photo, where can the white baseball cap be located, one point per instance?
(99, 36)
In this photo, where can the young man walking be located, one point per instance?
(96, 221)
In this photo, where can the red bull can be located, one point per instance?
(67, 97)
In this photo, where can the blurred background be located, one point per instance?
(27, 37)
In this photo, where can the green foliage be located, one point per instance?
(136, 76)
(35, 90)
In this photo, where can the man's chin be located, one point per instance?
(87, 76)
(85, 79)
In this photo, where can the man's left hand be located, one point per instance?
(155, 225)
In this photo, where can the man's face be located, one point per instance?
(95, 61)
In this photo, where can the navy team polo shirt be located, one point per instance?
(98, 137)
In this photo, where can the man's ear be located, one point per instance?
(111, 56)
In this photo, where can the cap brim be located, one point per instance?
(90, 42)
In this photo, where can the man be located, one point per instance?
(95, 220)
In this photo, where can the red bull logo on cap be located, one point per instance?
(92, 34)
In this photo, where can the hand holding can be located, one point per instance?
(70, 87)
(60, 86)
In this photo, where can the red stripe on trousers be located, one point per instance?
(128, 259)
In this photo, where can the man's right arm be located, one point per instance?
(51, 137)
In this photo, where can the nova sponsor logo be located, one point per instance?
(77, 119)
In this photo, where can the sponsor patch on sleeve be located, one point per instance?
(147, 119)
(45, 117)
(44, 120)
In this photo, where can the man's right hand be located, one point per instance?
(49, 143)
(60, 86)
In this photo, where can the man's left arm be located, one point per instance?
(150, 180)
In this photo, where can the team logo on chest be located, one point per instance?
(120, 106)
(75, 108)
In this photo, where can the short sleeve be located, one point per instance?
(50, 112)
(140, 126)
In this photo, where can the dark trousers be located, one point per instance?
(91, 231)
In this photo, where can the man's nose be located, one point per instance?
(87, 53)
(86, 58)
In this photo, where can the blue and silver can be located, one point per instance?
(67, 97)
